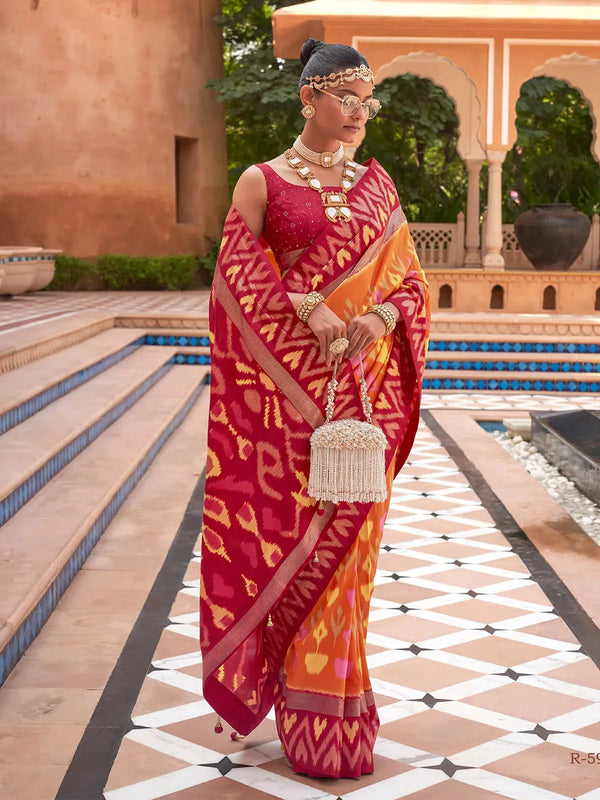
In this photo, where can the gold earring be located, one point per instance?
(308, 111)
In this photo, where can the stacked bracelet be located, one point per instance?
(386, 315)
(307, 306)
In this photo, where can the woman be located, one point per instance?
(315, 249)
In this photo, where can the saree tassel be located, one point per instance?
(315, 558)
(237, 737)
(219, 726)
(270, 621)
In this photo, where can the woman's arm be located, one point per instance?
(250, 199)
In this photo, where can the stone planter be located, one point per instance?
(20, 267)
(45, 270)
(552, 235)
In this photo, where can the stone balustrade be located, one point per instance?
(442, 245)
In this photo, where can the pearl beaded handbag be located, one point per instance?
(347, 456)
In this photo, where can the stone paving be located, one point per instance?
(483, 645)
(483, 690)
(33, 308)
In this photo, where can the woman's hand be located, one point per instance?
(326, 326)
(362, 331)
(324, 323)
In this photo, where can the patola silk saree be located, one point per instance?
(286, 582)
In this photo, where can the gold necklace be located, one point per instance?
(335, 203)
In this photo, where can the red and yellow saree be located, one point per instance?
(286, 585)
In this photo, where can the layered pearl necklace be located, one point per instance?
(325, 159)
(335, 203)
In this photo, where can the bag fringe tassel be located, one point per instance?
(347, 457)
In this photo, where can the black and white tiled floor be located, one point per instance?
(483, 691)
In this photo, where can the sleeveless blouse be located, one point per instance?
(294, 217)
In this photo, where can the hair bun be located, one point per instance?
(309, 47)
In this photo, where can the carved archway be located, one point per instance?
(457, 85)
(583, 74)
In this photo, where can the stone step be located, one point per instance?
(587, 377)
(177, 338)
(495, 326)
(35, 340)
(519, 344)
(44, 545)
(27, 389)
(512, 357)
(509, 382)
(37, 449)
(515, 363)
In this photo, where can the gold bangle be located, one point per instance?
(308, 305)
(386, 315)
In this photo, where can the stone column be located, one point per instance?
(493, 258)
(473, 252)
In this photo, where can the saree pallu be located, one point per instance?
(286, 582)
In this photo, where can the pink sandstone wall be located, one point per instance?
(92, 96)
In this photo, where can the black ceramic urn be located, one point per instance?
(552, 235)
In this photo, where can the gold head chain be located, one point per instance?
(334, 79)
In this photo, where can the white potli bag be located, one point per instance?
(347, 456)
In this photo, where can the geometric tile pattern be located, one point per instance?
(177, 340)
(482, 690)
(454, 346)
(572, 376)
(26, 309)
(510, 385)
(31, 626)
(516, 366)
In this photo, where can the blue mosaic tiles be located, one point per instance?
(176, 341)
(22, 493)
(555, 375)
(468, 384)
(19, 259)
(181, 358)
(182, 341)
(31, 626)
(14, 416)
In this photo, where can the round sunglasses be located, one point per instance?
(351, 105)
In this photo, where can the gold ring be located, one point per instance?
(338, 346)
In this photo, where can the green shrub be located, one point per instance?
(141, 272)
(130, 273)
(208, 262)
(72, 273)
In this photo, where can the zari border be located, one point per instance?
(296, 700)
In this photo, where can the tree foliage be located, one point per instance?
(263, 108)
(551, 160)
(414, 136)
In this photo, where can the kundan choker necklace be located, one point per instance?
(325, 159)
(335, 203)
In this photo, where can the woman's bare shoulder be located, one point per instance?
(250, 198)
(251, 178)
